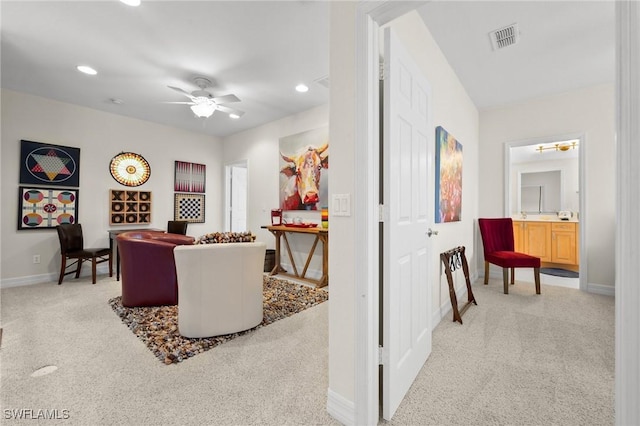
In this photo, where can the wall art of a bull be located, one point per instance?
(300, 188)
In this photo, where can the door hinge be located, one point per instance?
(381, 71)
(383, 358)
(380, 213)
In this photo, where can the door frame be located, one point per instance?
(369, 17)
(582, 185)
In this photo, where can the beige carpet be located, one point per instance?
(519, 359)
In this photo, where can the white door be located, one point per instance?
(407, 162)
(236, 217)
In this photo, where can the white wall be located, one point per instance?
(100, 136)
(453, 110)
(260, 148)
(589, 111)
(342, 58)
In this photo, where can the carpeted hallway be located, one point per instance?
(518, 359)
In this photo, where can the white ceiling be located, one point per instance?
(564, 45)
(260, 50)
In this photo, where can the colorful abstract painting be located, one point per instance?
(189, 207)
(304, 164)
(448, 177)
(46, 164)
(190, 177)
(43, 208)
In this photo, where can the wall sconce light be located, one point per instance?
(561, 146)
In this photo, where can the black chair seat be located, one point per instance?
(89, 252)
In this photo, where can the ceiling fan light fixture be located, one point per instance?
(131, 2)
(203, 110)
(302, 88)
(86, 70)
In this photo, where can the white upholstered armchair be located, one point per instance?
(219, 288)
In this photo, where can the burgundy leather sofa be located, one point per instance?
(148, 268)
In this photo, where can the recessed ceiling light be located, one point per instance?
(131, 2)
(87, 70)
(116, 101)
(234, 116)
(302, 88)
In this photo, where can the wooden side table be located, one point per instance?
(321, 235)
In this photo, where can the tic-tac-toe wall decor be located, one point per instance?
(43, 208)
(190, 177)
(129, 207)
(189, 207)
(46, 164)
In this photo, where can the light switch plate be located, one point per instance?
(341, 205)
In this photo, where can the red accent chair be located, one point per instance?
(148, 268)
(497, 239)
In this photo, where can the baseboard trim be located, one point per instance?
(50, 277)
(340, 408)
(605, 290)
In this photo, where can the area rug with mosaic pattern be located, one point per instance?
(157, 326)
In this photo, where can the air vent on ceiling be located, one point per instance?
(323, 81)
(504, 37)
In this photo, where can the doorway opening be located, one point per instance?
(236, 197)
(529, 163)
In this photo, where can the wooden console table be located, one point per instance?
(321, 234)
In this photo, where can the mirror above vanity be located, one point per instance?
(542, 179)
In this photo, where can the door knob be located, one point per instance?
(431, 232)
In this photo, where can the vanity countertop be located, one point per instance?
(543, 218)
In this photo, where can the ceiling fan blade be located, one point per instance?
(184, 92)
(228, 110)
(181, 103)
(226, 99)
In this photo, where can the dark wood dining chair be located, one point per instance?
(177, 227)
(497, 239)
(72, 247)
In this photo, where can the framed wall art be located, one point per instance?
(127, 207)
(448, 177)
(304, 164)
(130, 169)
(189, 207)
(47, 164)
(46, 208)
(190, 177)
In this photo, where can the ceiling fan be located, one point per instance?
(204, 104)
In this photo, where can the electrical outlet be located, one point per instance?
(36, 258)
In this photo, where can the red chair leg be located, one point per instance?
(505, 280)
(486, 272)
(536, 274)
(63, 266)
(513, 276)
